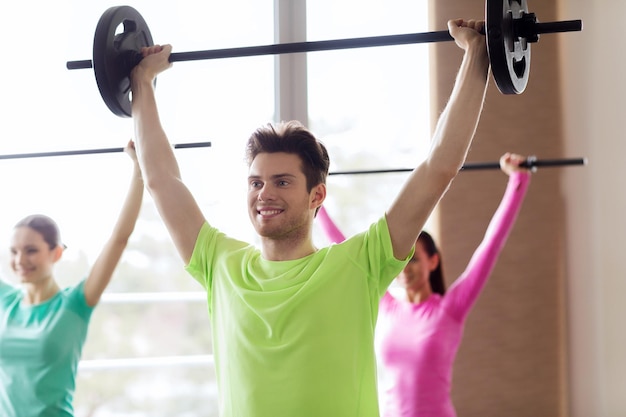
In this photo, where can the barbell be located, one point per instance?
(531, 162)
(92, 151)
(509, 31)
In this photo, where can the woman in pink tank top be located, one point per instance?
(420, 329)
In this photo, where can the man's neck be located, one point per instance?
(286, 249)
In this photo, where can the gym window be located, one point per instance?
(148, 352)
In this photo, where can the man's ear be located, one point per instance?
(318, 195)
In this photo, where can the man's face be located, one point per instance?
(278, 202)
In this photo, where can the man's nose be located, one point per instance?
(266, 193)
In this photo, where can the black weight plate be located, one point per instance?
(115, 55)
(509, 54)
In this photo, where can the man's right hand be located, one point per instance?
(155, 60)
(467, 32)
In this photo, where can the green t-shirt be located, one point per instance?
(40, 346)
(295, 338)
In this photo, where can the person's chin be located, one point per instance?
(25, 278)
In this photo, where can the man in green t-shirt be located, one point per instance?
(292, 324)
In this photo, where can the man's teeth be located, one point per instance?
(269, 212)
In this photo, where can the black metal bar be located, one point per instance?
(314, 46)
(371, 171)
(555, 27)
(475, 166)
(84, 64)
(93, 151)
(295, 47)
(478, 166)
(335, 44)
(556, 162)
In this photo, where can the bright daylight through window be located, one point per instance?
(148, 350)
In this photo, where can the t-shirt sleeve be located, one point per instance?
(5, 286)
(379, 229)
(213, 247)
(389, 266)
(199, 264)
(76, 301)
(6, 290)
(463, 293)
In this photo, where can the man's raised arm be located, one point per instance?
(177, 207)
(451, 141)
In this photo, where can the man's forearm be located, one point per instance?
(453, 136)
(154, 151)
(459, 120)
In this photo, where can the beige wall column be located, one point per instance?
(512, 360)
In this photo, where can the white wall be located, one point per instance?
(595, 93)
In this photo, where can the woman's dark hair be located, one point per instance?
(45, 226)
(437, 282)
(292, 137)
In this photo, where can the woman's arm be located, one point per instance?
(107, 261)
(463, 293)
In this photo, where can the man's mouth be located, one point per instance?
(271, 212)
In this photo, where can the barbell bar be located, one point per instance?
(531, 162)
(509, 31)
(93, 151)
(329, 45)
